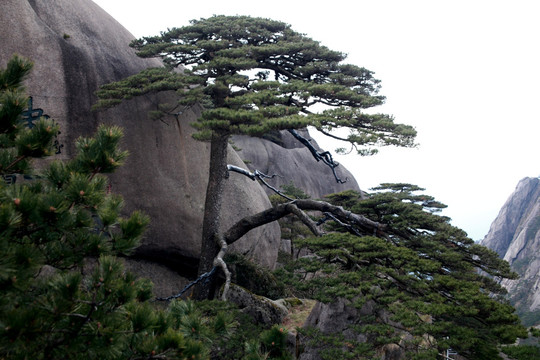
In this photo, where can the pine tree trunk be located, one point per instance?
(212, 212)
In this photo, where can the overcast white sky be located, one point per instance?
(465, 74)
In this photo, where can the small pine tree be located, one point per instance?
(63, 293)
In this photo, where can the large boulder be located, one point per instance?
(283, 155)
(263, 311)
(76, 47)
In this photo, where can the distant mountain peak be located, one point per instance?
(515, 236)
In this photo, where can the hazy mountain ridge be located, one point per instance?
(515, 236)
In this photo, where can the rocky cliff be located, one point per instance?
(515, 236)
(76, 47)
(283, 155)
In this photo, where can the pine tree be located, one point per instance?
(419, 274)
(63, 292)
(253, 76)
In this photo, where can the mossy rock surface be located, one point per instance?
(262, 310)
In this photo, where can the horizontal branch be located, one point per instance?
(363, 224)
(324, 156)
(258, 175)
(254, 221)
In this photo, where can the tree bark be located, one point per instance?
(363, 224)
(212, 212)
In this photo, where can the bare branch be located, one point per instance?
(363, 225)
(312, 225)
(239, 170)
(324, 156)
(218, 261)
(253, 221)
(329, 216)
(204, 276)
(260, 176)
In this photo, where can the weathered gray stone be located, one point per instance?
(166, 282)
(76, 47)
(511, 216)
(286, 246)
(340, 317)
(293, 162)
(264, 311)
(515, 236)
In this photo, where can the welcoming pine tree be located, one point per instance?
(420, 274)
(63, 293)
(252, 76)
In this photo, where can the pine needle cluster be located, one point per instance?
(256, 75)
(420, 283)
(64, 293)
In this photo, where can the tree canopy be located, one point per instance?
(431, 287)
(254, 75)
(419, 275)
(64, 294)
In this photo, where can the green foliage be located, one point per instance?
(63, 293)
(253, 277)
(274, 342)
(255, 76)
(293, 191)
(244, 339)
(17, 143)
(289, 190)
(522, 352)
(418, 270)
(335, 346)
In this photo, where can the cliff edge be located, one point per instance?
(515, 236)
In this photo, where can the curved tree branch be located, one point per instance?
(349, 227)
(218, 261)
(312, 225)
(325, 156)
(362, 224)
(358, 224)
(203, 277)
(260, 176)
(253, 221)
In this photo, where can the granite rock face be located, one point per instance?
(286, 157)
(76, 47)
(515, 236)
(263, 311)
